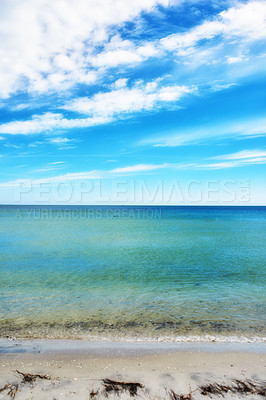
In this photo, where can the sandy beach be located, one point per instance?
(89, 370)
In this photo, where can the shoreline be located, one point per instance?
(126, 347)
(137, 337)
(67, 369)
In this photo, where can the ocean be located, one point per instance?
(133, 273)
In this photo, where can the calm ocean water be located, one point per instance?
(168, 273)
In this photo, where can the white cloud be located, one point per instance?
(50, 45)
(48, 122)
(138, 168)
(238, 159)
(100, 109)
(244, 154)
(131, 170)
(233, 163)
(59, 140)
(127, 100)
(45, 169)
(116, 57)
(226, 40)
(245, 22)
(176, 140)
(37, 124)
(221, 165)
(53, 180)
(36, 144)
(234, 60)
(183, 43)
(119, 51)
(84, 175)
(249, 128)
(217, 86)
(119, 83)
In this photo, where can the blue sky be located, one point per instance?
(132, 102)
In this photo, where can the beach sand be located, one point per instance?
(78, 370)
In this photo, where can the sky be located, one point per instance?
(133, 102)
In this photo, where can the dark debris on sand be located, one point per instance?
(250, 387)
(214, 388)
(12, 388)
(175, 396)
(32, 377)
(93, 394)
(237, 387)
(118, 387)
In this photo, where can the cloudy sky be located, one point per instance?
(103, 99)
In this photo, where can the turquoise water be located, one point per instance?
(167, 273)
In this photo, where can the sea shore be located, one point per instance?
(69, 369)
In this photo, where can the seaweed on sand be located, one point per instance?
(13, 388)
(93, 394)
(118, 387)
(175, 396)
(32, 377)
(214, 388)
(249, 387)
(237, 386)
(217, 389)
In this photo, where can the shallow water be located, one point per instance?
(174, 273)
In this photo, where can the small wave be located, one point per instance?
(169, 339)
